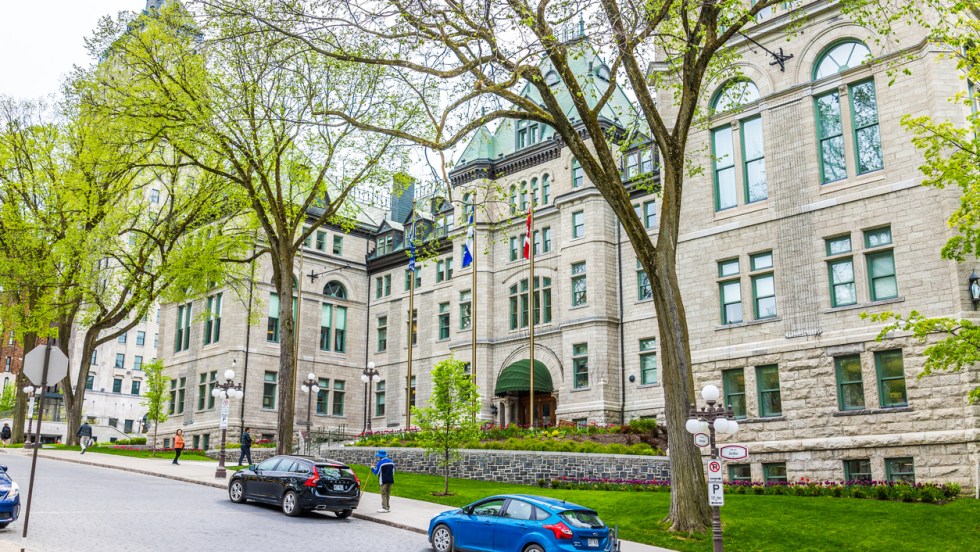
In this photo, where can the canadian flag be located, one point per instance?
(527, 237)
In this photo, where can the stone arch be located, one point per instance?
(835, 32)
(542, 353)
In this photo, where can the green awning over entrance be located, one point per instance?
(517, 377)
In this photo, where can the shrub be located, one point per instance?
(642, 425)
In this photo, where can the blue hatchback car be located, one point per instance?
(521, 523)
(9, 499)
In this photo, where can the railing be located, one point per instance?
(314, 439)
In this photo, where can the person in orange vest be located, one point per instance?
(178, 444)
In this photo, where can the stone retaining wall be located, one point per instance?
(515, 466)
(231, 455)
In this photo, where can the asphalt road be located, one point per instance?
(80, 508)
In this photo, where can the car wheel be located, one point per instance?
(290, 504)
(533, 548)
(236, 492)
(442, 539)
(344, 514)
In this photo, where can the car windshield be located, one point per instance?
(583, 519)
(334, 472)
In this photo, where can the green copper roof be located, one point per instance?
(517, 377)
(480, 147)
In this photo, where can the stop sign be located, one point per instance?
(34, 365)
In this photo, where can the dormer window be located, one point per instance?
(602, 72)
(528, 133)
(385, 245)
(552, 78)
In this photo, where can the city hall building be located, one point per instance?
(809, 212)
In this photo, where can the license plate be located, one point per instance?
(593, 543)
(338, 487)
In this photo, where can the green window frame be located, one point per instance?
(723, 155)
(535, 188)
(117, 385)
(830, 137)
(382, 334)
(309, 239)
(864, 127)
(269, 384)
(443, 321)
(733, 382)
(579, 285)
(322, 396)
(890, 369)
(542, 300)
(465, 309)
(321, 240)
(387, 285)
(379, 398)
(414, 326)
(580, 365)
(513, 199)
(850, 382)
(770, 400)
(774, 472)
(578, 174)
(739, 473)
(439, 270)
(340, 330)
(523, 194)
(753, 160)
(857, 470)
(763, 286)
(730, 292)
(408, 278)
(649, 214)
(338, 397)
(843, 290)
(212, 326)
(326, 324)
(120, 360)
(648, 361)
(882, 278)
(578, 224)
(546, 239)
(513, 298)
(644, 291)
(183, 335)
(272, 326)
(338, 245)
(378, 289)
(411, 401)
(513, 248)
(545, 189)
(900, 469)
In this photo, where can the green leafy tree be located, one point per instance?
(8, 398)
(450, 419)
(156, 396)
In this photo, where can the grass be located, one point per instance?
(750, 522)
(160, 455)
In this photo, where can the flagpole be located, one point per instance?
(411, 325)
(530, 239)
(473, 308)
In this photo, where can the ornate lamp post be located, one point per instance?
(368, 376)
(226, 391)
(31, 392)
(310, 388)
(703, 424)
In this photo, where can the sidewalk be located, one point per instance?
(407, 514)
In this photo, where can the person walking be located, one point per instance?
(5, 434)
(385, 470)
(84, 435)
(246, 446)
(178, 444)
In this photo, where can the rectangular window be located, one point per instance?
(891, 378)
(128, 424)
(770, 402)
(763, 287)
(733, 382)
(418, 279)
(465, 312)
(135, 388)
(338, 398)
(322, 396)
(378, 287)
(900, 469)
(340, 330)
(439, 270)
(212, 326)
(449, 268)
(338, 245)
(154, 196)
(443, 321)
(122, 338)
(140, 338)
(730, 292)
(578, 224)
(94, 360)
(739, 472)
(321, 240)
(578, 174)
(726, 195)
(117, 385)
(580, 365)
(850, 383)
(269, 391)
(326, 324)
(514, 248)
(546, 239)
(649, 214)
(181, 394)
(545, 189)
(774, 473)
(643, 290)
(411, 397)
(648, 361)
(379, 398)
(753, 160)
(387, 285)
(857, 470)
(212, 382)
(173, 397)
(272, 328)
(309, 239)
(414, 326)
(864, 123)
(841, 269)
(89, 381)
(882, 282)
(120, 360)
(202, 390)
(138, 362)
(830, 134)
(579, 285)
(382, 334)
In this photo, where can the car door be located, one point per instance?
(259, 487)
(474, 530)
(512, 524)
(280, 478)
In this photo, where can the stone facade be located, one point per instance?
(514, 466)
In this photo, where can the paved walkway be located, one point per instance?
(408, 514)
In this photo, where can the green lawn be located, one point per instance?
(750, 522)
(160, 455)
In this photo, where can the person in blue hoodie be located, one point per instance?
(385, 470)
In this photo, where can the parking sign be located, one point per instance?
(716, 493)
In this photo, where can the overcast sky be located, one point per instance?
(40, 41)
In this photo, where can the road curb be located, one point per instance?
(394, 524)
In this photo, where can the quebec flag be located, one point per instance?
(468, 246)
(411, 258)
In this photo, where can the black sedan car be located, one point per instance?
(298, 485)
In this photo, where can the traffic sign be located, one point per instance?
(34, 365)
(714, 470)
(224, 413)
(716, 493)
(733, 452)
(701, 439)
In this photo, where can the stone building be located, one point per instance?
(809, 211)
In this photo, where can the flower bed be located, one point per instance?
(881, 490)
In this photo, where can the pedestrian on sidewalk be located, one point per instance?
(246, 446)
(84, 435)
(178, 444)
(385, 470)
(5, 434)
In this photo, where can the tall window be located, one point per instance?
(321, 240)
(90, 382)
(465, 309)
(154, 196)
(444, 269)
(891, 379)
(172, 407)
(212, 327)
(523, 192)
(515, 248)
(648, 361)
(763, 286)
(443, 320)
(724, 155)
(520, 302)
(333, 318)
(643, 290)
(578, 174)
(753, 160)
(840, 267)
(864, 120)
(770, 402)
(580, 365)
(117, 385)
(418, 279)
(850, 383)
(202, 390)
(182, 338)
(322, 396)
(379, 398)
(469, 206)
(513, 199)
(545, 239)
(272, 327)
(181, 394)
(579, 285)
(742, 160)
(882, 282)
(578, 224)
(141, 338)
(649, 214)
(382, 334)
(734, 383)
(120, 360)
(535, 192)
(269, 391)
(138, 362)
(414, 326)
(378, 287)
(338, 397)
(730, 291)
(411, 393)
(338, 245)
(121, 338)
(134, 388)
(545, 189)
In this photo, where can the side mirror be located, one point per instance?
(252, 467)
(3, 468)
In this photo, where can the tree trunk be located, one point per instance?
(19, 425)
(156, 427)
(445, 487)
(287, 348)
(75, 396)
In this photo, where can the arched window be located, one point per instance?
(545, 189)
(734, 93)
(469, 205)
(552, 78)
(602, 71)
(535, 198)
(523, 196)
(513, 199)
(839, 57)
(335, 289)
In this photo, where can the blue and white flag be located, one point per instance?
(411, 258)
(468, 246)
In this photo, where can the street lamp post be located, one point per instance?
(310, 388)
(226, 391)
(368, 376)
(31, 392)
(706, 422)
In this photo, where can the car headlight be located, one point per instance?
(14, 491)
